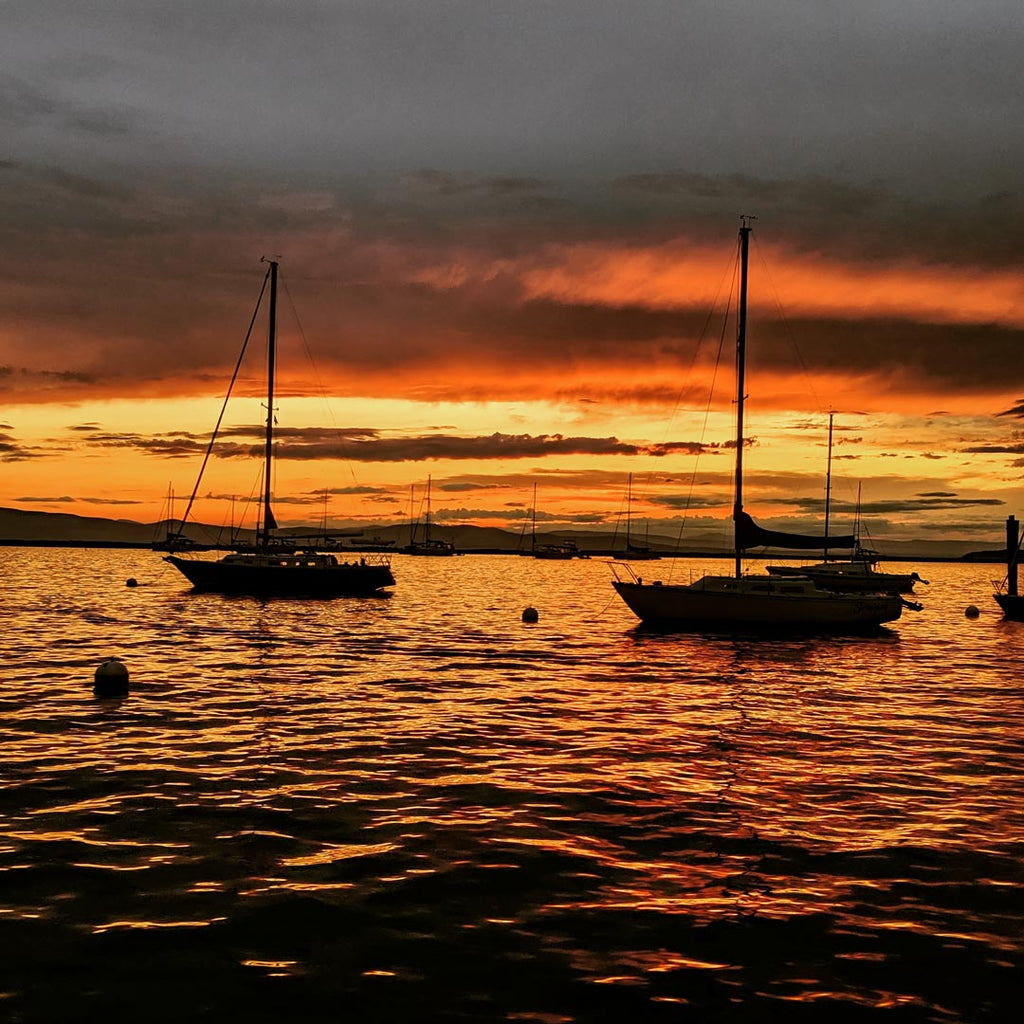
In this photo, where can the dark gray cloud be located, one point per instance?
(683, 502)
(361, 444)
(110, 501)
(949, 528)
(996, 449)
(916, 91)
(354, 489)
(19, 379)
(374, 141)
(12, 450)
(457, 515)
(372, 322)
(920, 503)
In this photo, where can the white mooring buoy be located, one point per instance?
(111, 679)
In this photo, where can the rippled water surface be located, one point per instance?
(420, 808)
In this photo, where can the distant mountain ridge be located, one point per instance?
(20, 526)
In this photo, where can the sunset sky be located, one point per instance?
(507, 233)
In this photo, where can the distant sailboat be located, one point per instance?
(174, 539)
(633, 552)
(427, 545)
(552, 551)
(276, 565)
(858, 573)
(753, 601)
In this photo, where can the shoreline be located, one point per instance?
(986, 558)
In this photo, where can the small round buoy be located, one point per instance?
(131, 582)
(111, 679)
(972, 611)
(530, 615)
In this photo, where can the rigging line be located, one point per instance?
(223, 408)
(791, 338)
(788, 328)
(316, 373)
(730, 269)
(309, 352)
(254, 499)
(711, 391)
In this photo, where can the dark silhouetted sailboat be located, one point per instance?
(754, 601)
(633, 552)
(857, 573)
(276, 565)
(426, 544)
(1008, 596)
(559, 551)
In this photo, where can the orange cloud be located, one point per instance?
(683, 276)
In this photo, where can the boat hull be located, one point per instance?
(724, 601)
(852, 582)
(1012, 605)
(259, 578)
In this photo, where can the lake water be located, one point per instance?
(419, 808)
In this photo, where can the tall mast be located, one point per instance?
(856, 527)
(533, 520)
(629, 502)
(828, 483)
(268, 515)
(741, 358)
(426, 517)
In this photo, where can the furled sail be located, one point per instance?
(750, 535)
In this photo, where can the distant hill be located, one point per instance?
(998, 555)
(18, 526)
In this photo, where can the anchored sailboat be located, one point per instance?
(560, 551)
(857, 573)
(276, 565)
(762, 600)
(427, 545)
(633, 552)
(1008, 596)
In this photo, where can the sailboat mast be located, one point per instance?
(741, 359)
(856, 527)
(629, 501)
(426, 517)
(828, 483)
(268, 515)
(533, 521)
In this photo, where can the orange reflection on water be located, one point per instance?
(150, 925)
(330, 854)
